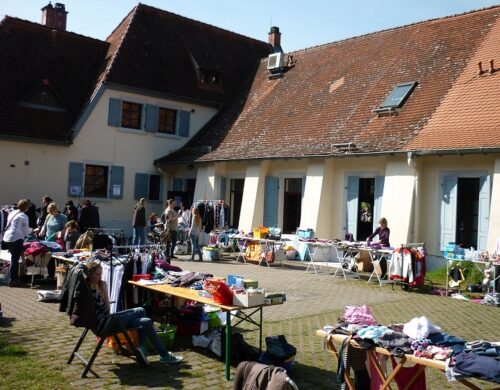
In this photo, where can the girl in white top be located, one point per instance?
(17, 229)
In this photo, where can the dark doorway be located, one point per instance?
(235, 200)
(292, 204)
(366, 201)
(467, 212)
(184, 196)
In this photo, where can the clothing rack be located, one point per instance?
(408, 246)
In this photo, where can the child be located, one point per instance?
(71, 234)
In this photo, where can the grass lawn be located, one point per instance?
(18, 370)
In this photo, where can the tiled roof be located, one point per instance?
(34, 55)
(327, 97)
(157, 50)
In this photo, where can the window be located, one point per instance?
(210, 78)
(43, 98)
(131, 115)
(96, 181)
(154, 187)
(398, 95)
(167, 121)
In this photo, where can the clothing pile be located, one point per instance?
(419, 337)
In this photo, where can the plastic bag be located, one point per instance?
(219, 290)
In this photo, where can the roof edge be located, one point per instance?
(33, 140)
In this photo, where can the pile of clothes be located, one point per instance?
(419, 337)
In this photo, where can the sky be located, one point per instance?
(302, 23)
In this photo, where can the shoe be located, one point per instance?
(171, 359)
(173, 257)
(143, 355)
(13, 283)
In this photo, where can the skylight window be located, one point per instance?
(398, 95)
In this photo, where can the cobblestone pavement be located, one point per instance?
(312, 301)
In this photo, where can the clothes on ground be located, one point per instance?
(256, 376)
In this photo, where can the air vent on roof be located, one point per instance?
(275, 61)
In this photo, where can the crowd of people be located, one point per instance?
(45, 223)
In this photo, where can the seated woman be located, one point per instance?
(131, 318)
(71, 234)
(383, 233)
(153, 222)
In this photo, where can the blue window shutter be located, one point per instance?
(151, 121)
(352, 204)
(222, 188)
(115, 112)
(484, 213)
(184, 117)
(271, 201)
(448, 210)
(377, 207)
(75, 182)
(117, 178)
(177, 184)
(141, 189)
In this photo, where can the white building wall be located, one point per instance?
(494, 230)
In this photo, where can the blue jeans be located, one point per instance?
(139, 237)
(195, 246)
(136, 317)
(171, 244)
(15, 248)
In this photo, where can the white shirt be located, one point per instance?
(18, 226)
(185, 217)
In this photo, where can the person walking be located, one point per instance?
(17, 229)
(171, 218)
(139, 223)
(194, 234)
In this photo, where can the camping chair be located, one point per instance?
(111, 328)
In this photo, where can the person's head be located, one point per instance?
(86, 203)
(153, 217)
(52, 209)
(71, 226)
(94, 272)
(47, 199)
(142, 201)
(183, 206)
(70, 203)
(171, 203)
(196, 216)
(23, 205)
(382, 222)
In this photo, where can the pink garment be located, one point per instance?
(403, 376)
(359, 315)
(34, 248)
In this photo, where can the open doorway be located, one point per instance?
(292, 204)
(467, 211)
(366, 201)
(235, 200)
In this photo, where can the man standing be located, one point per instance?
(139, 223)
(171, 225)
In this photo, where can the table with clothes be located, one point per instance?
(366, 347)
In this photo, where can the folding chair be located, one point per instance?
(111, 328)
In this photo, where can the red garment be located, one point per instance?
(403, 376)
(34, 248)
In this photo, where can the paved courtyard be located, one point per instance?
(312, 301)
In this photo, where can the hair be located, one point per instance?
(86, 202)
(382, 221)
(23, 205)
(52, 206)
(170, 201)
(47, 199)
(196, 216)
(70, 203)
(92, 267)
(71, 224)
(153, 215)
(142, 200)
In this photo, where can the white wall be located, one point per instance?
(494, 230)
(48, 169)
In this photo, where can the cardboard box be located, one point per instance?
(247, 283)
(247, 300)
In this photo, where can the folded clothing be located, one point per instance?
(484, 367)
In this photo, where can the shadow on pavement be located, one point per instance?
(156, 375)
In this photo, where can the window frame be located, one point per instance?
(140, 114)
(106, 176)
(411, 87)
(174, 114)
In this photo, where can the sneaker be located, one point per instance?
(143, 355)
(171, 359)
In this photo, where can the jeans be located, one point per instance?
(139, 236)
(15, 248)
(136, 317)
(195, 246)
(171, 244)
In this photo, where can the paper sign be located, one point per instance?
(117, 189)
(75, 190)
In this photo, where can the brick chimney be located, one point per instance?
(275, 39)
(54, 16)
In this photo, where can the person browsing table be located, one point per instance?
(383, 233)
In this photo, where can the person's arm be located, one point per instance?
(370, 237)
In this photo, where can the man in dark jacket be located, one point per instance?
(139, 223)
(89, 217)
(31, 213)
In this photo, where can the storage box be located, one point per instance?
(234, 280)
(247, 283)
(247, 300)
(261, 232)
(305, 233)
(210, 253)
